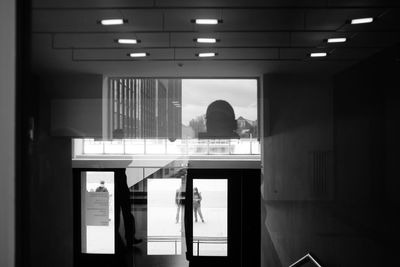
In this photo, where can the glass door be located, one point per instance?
(213, 217)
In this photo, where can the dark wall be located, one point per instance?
(49, 204)
(330, 178)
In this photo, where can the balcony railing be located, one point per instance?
(87, 147)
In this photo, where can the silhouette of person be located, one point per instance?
(220, 121)
(197, 204)
(179, 201)
(102, 187)
(123, 204)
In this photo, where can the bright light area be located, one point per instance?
(206, 40)
(337, 40)
(206, 21)
(87, 147)
(109, 22)
(210, 237)
(318, 54)
(138, 55)
(206, 55)
(127, 41)
(164, 236)
(362, 20)
(197, 94)
(97, 213)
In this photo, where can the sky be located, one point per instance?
(197, 94)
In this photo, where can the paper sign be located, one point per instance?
(97, 208)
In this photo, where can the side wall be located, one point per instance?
(343, 209)
(51, 201)
(7, 133)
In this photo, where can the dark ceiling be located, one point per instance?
(255, 37)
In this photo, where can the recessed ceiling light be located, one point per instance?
(337, 40)
(207, 21)
(128, 41)
(208, 54)
(362, 20)
(206, 40)
(109, 22)
(323, 54)
(135, 55)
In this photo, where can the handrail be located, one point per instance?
(306, 258)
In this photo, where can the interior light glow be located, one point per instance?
(206, 40)
(108, 22)
(337, 40)
(207, 21)
(128, 41)
(207, 54)
(362, 20)
(318, 54)
(138, 55)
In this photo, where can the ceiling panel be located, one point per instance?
(108, 40)
(362, 3)
(374, 39)
(208, 3)
(90, 3)
(314, 39)
(229, 53)
(240, 39)
(235, 20)
(121, 54)
(87, 20)
(352, 54)
(333, 19)
(239, 3)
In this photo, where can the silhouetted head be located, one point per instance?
(102, 183)
(195, 190)
(220, 119)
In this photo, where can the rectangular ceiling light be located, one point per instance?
(108, 22)
(135, 55)
(206, 21)
(209, 54)
(318, 54)
(206, 40)
(127, 41)
(337, 40)
(362, 20)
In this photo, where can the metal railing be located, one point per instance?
(306, 258)
(208, 240)
(166, 239)
(197, 241)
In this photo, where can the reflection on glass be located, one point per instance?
(165, 205)
(97, 209)
(210, 213)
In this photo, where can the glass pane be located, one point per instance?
(97, 209)
(210, 217)
(165, 199)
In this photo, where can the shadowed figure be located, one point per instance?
(220, 121)
(179, 201)
(123, 204)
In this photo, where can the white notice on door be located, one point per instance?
(97, 208)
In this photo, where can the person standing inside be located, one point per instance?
(102, 187)
(179, 201)
(197, 204)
